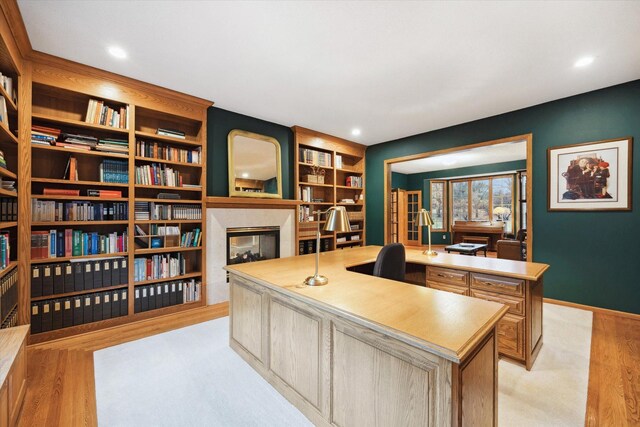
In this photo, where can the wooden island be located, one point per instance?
(369, 351)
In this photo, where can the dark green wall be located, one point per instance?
(593, 255)
(219, 123)
(398, 180)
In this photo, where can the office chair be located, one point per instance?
(390, 263)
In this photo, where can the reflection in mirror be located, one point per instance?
(254, 165)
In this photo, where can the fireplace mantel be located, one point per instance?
(251, 203)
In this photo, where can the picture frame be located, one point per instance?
(591, 176)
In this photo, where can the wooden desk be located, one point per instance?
(369, 351)
(13, 373)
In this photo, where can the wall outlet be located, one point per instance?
(444, 237)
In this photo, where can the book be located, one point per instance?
(171, 133)
(60, 192)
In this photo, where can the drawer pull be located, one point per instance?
(498, 284)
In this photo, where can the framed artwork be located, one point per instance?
(594, 176)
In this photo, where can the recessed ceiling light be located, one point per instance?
(245, 175)
(355, 132)
(117, 52)
(583, 62)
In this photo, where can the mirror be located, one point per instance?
(254, 165)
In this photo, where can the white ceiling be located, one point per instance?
(392, 69)
(497, 153)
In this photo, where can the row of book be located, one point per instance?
(51, 210)
(106, 194)
(5, 250)
(11, 320)
(305, 214)
(9, 87)
(162, 295)
(349, 238)
(164, 266)
(155, 150)
(314, 157)
(77, 276)
(113, 145)
(187, 239)
(339, 164)
(191, 239)
(69, 242)
(306, 193)
(4, 112)
(114, 171)
(354, 181)
(51, 315)
(8, 294)
(155, 174)
(43, 135)
(309, 246)
(8, 209)
(146, 211)
(3, 161)
(100, 114)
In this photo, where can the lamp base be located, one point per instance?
(430, 253)
(316, 281)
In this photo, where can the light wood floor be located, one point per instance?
(61, 389)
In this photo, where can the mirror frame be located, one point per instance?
(231, 165)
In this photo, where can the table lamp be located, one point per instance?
(424, 220)
(337, 220)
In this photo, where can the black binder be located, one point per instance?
(115, 272)
(97, 274)
(47, 316)
(136, 301)
(144, 298)
(180, 293)
(166, 298)
(68, 278)
(115, 303)
(106, 305)
(88, 309)
(152, 297)
(88, 275)
(47, 280)
(58, 279)
(158, 295)
(36, 281)
(172, 295)
(57, 315)
(78, 276)
(67, 313)
(106, 272)
(36, 319)
(124, 302)
(78, 312)
(97, 307)
(124, 271)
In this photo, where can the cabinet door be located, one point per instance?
(17, 382)
(511, 336)
(4, 406)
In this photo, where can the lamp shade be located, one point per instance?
(337, 220)
(424, 219)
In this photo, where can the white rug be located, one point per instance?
(190, 377)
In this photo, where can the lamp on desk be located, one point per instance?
(424, 220)
(337, 220)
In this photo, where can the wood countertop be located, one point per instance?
(441, 322)
(10, 341)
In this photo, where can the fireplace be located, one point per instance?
(249, 244)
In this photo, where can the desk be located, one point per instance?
(363, 350)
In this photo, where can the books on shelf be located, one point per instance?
(8, 294)
(145, 211)
(70, 242)
(339, 164)
(160, 295)
(60, 192)
(155, 150)
(171, 132)
(8, 209)
(114, 171)
(3, 161)
(306, 193)
(71, 171)
(43, 135)
(354, 181)
(313, 157)
(161, 266)
(51, 210)
(113, 145)
(191, 239)
(77, 141)
(100, 114)
(8, 185)
(106, 194)
(9, 87)
(157, 174)
(5, 250)
(4, 113)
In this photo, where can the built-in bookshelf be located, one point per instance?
(117, 181)
(329, 172)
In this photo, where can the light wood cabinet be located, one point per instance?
(4, 406)
(511, 336)
(13, 373)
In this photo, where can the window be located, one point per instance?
(502, 191)
(460, 200)
(480, 200)
(437, 205)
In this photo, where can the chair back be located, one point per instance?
(390, 263)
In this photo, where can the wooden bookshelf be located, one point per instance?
(58, 97)
(332, 190)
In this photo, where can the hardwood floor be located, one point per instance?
(61, 388)
(60, 381)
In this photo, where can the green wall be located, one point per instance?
(399, 180)
(219, 123)
(593, 255)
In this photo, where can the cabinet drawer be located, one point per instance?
(511, 336)
(516, 305)
(444, 275)
(503, 285)
(460, 290)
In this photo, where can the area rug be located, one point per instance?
(190, 377)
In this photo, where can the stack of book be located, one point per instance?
(100, 114)
(51, 210)
(8, 185)
(69, 242)
(154, 150)
(354, 181)
(5, 250)
(113, 145)
(77, 141)
(171, 132)
(115, 171)
(44, 135)
(8, 294)
(314, 157)
(191, 239)
(155, 174)
(159, 267)
(142, 211)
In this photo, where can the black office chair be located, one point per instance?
(390, 263)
